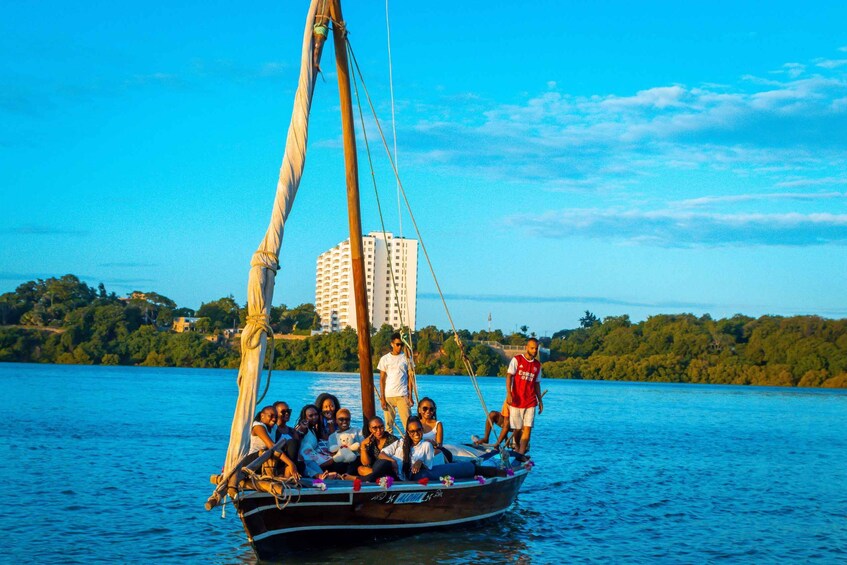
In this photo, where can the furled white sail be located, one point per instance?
(265, 262)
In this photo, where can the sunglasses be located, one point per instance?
(415, 431)
(427, 409)
(377, 427)
(288, 412)
(397, 344)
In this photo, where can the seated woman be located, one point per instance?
(433, 430)
(282, 429)
(315, 460)
(371, 446)
(260, 440)
(411, 459)
(406, 459)
(283, 415)
(327, 405)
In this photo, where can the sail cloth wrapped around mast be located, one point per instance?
(265, 261)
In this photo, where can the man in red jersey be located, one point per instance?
(523, 392)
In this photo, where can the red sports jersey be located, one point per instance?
(526, 374)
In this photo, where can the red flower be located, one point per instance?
(357, 485)
(424, 481)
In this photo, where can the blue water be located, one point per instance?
(111, 464)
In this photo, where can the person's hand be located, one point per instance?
(509, 398)
(409, 401)
(416, 466)
(540, 406)
(383, 403)
(292, 472)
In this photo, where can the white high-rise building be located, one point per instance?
(394, 304)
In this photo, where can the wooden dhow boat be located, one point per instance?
(282, 514)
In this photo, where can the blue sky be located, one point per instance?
(625, 158)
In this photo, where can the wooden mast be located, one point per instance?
(339, 36)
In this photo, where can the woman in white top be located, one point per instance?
(411, 459)
(260, 440)
(316, 459)
(404, 459)
(433, 430)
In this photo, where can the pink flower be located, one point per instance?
(319, 484)
(510, 472)
(447, 480)
(385, 482)
(480, 479)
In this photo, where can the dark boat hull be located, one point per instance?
(405, 508)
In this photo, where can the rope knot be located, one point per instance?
(254, 326)
(265, 259)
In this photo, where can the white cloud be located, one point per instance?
(681, 228)
(659, 97)
(767, 197)
(831, 63)
(557, 141)
(815, 182)
(793, 70)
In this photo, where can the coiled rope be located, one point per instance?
(255, 324)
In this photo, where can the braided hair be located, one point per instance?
(407, 446)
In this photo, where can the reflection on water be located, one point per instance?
(492, 542)
(120, 458)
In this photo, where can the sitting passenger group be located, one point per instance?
(323, 446)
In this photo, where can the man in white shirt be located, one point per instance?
(394, 385)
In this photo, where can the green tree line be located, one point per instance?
(63, 320)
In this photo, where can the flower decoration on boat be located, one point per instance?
(319, 484)
(424, 481)
(480, 479)
(529, 465)
(385, 482)
(510, 473)
(357, 485)
(447, 480)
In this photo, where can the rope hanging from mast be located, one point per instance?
(465, 360)
(393, 121)
(406, 338)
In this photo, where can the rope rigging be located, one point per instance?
(465, 360)
(407, 340)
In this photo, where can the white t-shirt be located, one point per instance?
(256, 443)
(396, 369)
(422, 451)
